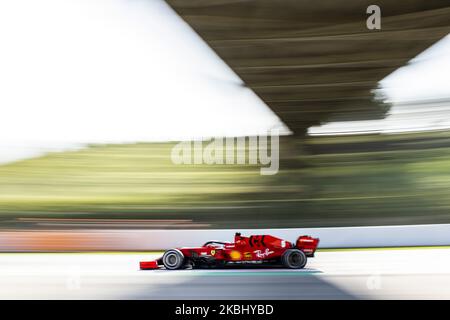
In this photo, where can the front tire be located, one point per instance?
(294, 259)
(173, 259)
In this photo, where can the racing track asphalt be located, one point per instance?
(353, 274)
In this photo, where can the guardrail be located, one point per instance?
(142, 240)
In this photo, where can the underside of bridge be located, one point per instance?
(316, 61)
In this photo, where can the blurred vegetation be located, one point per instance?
(323, 181)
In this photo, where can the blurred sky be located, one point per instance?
(120, 71)
(97, 71)
(426, 77)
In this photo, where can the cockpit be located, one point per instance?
(216, 244)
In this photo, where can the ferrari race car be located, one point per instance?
(253, 250)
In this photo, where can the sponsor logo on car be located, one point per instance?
(263, 254)
(235, 255)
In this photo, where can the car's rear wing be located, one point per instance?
(307, 244)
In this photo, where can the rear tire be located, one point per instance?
(294, 259)
(173, 259)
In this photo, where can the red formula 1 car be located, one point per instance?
(253, 250)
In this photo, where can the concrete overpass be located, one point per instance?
(313, 61)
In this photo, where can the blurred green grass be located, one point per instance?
(323, 181)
